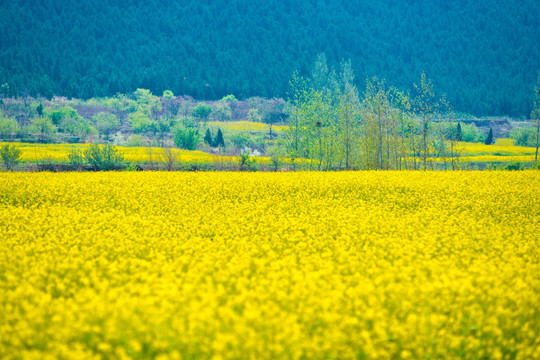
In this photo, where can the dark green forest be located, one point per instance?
(483, 54)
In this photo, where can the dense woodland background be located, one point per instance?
(483, 54)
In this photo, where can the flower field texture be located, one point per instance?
(369, 265)
(58, 153)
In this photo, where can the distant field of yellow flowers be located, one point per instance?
(59, 153)
(368, 265)
(503, 151)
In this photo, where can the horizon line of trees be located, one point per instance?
(334, 127)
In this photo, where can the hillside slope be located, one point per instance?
(483, 54)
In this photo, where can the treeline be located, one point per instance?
(482, 54)
(335, 127)
(139, 119)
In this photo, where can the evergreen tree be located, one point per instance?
(459, 135)
(219, 141)
(208, 138)
(489, 139)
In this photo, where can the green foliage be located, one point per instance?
(104, 157)
(459, 132)
(514, 165)
(106, 122)
(470, 133)
(219, 141)
(201, 111)
(247, 162)
(524, 136)
(229, 98)
(489, 138)
(39, 109)
(394, 40)
(254, 116)
(276, 154)
(222, 112)
(208, 140)
(168, 94)
(140, 122)
(186, 138)
(135, 140)
(8, 126)
(11, 155)
(42, 126)
(75, 158)
(240, 140)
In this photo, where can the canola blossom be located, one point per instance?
(368, 265)
(59, 153)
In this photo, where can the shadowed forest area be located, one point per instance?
(483, 55)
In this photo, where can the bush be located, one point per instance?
(514, 165)
(186, 138)
(11, 155)
(470, 133)
(247, 161)
(104, 157)
(524, 136)
(75, 158)
(241, 140)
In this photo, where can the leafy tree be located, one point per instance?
(42, 127)
(169, 157)
(140, 122)
(229, 98)
(524, 136)
(253, 115)
(201, 112)
(222, 112)
(104, 157)
(470, 133)
(11, 155)
(535, 114)
(186, 138)
(106, 123)
(75, 158)
(425, 107)
(240, 140)
(348, 111)
(8, 126)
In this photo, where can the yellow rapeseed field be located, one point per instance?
(368, 265)
(58, 153)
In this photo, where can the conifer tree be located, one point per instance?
(208, 138)
(459, 135)
(219, 141)
(489, 139)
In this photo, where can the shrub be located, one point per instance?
(104, 157)
(247, 161)
(186, 138)
(524, 136)
(75, 158)
(514, 165)
(11, 155)
(470, 133)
